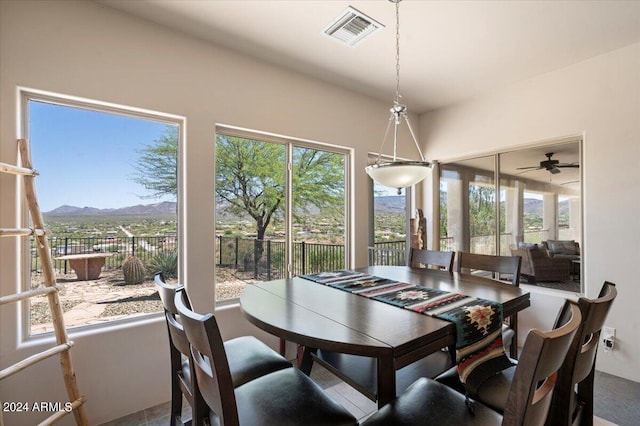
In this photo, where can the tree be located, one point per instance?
(250, 179)
(157, 166)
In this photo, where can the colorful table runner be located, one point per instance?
(479, 348)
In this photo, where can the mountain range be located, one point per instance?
(388, 204)
(162, 208)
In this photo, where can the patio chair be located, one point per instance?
(286, 396)
(528, 398)
(249, 358)
(538, 266)
(440, 259)
(499, 265)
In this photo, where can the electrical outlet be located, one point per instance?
(608, 332)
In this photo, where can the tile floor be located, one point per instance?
(617, 402)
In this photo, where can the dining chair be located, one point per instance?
(249, 358)
(528, 399)
(572, 402)
(499, 265)
(568, 407)
(441, 259)
(283, 397)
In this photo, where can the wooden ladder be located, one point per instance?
(63, 344)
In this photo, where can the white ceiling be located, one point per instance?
(450, 50)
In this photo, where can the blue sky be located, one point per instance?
(85, 158)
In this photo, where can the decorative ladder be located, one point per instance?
(63, 344)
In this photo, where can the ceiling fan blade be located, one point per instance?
(572, 166)
(554, 170)
(527, 168)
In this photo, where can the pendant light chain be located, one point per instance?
(397, 99)
(394, 173)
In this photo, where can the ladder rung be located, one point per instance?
(33, 359)
(16, 170)
(20, 232)
(16, 297)
(62, 413)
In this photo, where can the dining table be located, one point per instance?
(338, 329)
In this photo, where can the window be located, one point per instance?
(272, 220)
(107, 185)
(539, 200)
(388, 239)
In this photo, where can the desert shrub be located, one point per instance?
(165, 261)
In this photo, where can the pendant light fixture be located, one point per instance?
(398, 174)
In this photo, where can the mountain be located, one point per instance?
(395, 204)
(163, 208)
(389, 204)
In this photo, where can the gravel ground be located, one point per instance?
(118, 300)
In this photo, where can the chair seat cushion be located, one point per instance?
(493, 392)
(430, 402)
(507, 337)
(288, 397)
(249, 358)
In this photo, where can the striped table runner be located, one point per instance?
(479, 348)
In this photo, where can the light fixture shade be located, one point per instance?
(399, 174)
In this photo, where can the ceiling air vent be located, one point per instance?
(351, 27)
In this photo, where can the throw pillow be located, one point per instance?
(562, 247)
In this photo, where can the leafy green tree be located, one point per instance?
(250, 179)
(156, 168)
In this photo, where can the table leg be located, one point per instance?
(386, 380)
(304, 359)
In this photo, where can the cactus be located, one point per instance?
(133, 270)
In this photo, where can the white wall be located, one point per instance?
(600, 99)
(88, 50)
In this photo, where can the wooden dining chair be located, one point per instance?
(249, 358)
(567, 406)
(440, 259)
(283, 397)
(572, 402)
(528, 399)
(510, 265)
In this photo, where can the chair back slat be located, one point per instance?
(534, 379)
(441, 259)
(484, 262)
(579, 364)
(176, 331)
(210, 361)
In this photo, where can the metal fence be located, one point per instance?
(145, 248)
(266, 258)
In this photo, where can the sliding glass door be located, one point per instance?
(537, 201)
(280, 210)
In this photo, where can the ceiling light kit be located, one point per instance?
(398, 174)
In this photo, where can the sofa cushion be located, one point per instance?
(562, 247)
(524, 245)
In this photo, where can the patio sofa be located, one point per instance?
(537, 265)
(567, 249)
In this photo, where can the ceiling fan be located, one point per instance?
(552, 166)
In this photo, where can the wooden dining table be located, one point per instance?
(335, 327)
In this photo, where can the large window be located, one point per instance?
(539, 205)
(107, 189)
(280, 210)
(388, 239)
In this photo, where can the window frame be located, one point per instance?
(496, 155)
(289, 143)
(25, 96)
